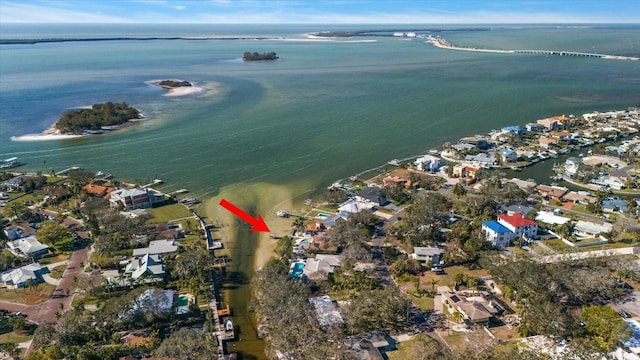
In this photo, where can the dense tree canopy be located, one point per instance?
(106, 114)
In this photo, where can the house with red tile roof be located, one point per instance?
(519, 225)
(97, 190)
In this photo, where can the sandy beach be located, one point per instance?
(177, 91)
(51, 133)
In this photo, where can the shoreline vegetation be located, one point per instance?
(176, 87)
(249, 56)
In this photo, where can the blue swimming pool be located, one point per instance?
(296, 270)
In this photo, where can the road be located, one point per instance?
(45, 311)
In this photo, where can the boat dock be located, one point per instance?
(154, 182)
(73, 168)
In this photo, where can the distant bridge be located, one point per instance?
(574, 53)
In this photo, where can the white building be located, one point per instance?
(427, 163)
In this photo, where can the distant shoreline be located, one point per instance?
(58, 40)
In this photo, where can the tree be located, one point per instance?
(457, 316)
(11, 349)
(298, 224)
(605, 326)
(434, 282)
(52, 233)
(459, 190)
(17, 322)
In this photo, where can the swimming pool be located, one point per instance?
(323, 216)
(182, 301)
(296, 270)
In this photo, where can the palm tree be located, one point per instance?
(434, 282)
(298, 224)
(457, 316)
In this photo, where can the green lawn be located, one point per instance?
(15, 337)
(617, 245)
(46, 260)
(168, 212)
(28, 296)
(57, 271)
(557, 245)
(424, 303)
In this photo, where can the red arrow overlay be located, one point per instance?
(256, 224)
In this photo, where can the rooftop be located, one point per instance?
(496, 227)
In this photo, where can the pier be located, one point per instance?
(73, 168)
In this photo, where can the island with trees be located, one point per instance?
(96, 118)
(249, 56)
(170, 84)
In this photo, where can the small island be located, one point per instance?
(249, 56)
(96, 118)
(170, 84)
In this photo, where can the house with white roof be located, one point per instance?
(28, 247)
(590, 229)
(326, 312)
(158, 247)
(427, 163)
(18, 278)
(550, 218)
(321, 266)
(148, 265)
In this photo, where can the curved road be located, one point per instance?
(45, 312)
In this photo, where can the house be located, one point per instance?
(546, 142)
(28, 246)
(611, 205)
(561, 135)
(552, 123)
(552, 192)
(395, 180)
(158, 247)
(579, 197)
(609, 182)
(15, 183)
(19, 230)
(371, 195)
(519, 225)
(427, 163)
(342, 215)
(326, 312)
(550, 218)
(148, 265)
(482, 159)
(517, 130)
(571, 166)
(153, 300)
(509, 155)
(97, 190)
(18, 278)
(462, 147)
(427, 255)
(589, 229)
(370, 345)
(515, 208)
(533, 127)
(320, 243)
(481, 142)
(465, 171)
(137, 198)
(497, 234)
(320, 266)
(475, 310)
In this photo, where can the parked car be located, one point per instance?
(625, 314)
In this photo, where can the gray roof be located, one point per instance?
(427, 251)
(373, 194)
(20, 276)
(326, 311)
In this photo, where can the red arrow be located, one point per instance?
(256, 224)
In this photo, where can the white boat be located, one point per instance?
(9, 163)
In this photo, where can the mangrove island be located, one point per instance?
(249, 56)
(96, 118)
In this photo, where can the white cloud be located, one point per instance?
(179, 7)
(13, 12)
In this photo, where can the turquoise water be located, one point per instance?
(324, 111)
(296, 271)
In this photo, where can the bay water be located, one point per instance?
(269, 134)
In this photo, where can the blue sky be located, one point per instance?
(320, 11)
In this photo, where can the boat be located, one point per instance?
(9, 163)
(282, 213)
(229, 332)
(515, 168)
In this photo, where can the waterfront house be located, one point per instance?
(427, 255)
(371, 195)
(551, 191)
(395, 180)
(326, 312)
(533, 127)
(158, 247)
(15, 183)
(483, 160)
(137, 198)
(481, 142)
(97, 190)
(427, 163)
(509, 156)
(28, 247)
(571, 166)
(546, 142)
(19, 278)
(609, 182)
(579, 197)
(320, 266)
(554, 122)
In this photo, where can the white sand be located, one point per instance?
(51, 133)
(184, 90)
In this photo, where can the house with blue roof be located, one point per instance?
(614, 204)
(513, 129)
(499, 235)
(509, 155)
